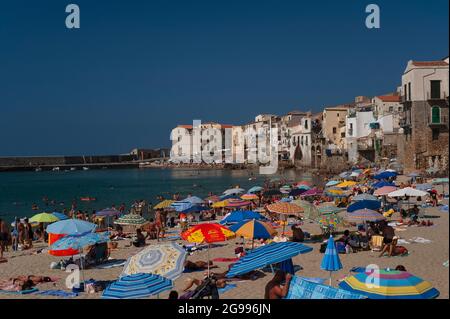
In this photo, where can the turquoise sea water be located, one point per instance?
(19, 190)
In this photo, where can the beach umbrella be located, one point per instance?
(110, 212)
(60, 216)
(440, 180)
(272, 192)
(212, 199)
(389, 284)
(330, 260)
(364, 215)
(303, 187)
(312, 192)
(137, 286)
(407, 191)
(234, 203)
(346, 184)
(76, 243)
(163, 259)
(194, 200)
(329, 222)
(252, 229)
(364, 196)
(71, 227)
(220, 204)
(384, 190)
(165, 204)
(266, 255)
(285, 209)
(180, 206)
(249, 197)
(369, 204)
(255, 189)
(131, 219)
(296, 192)
(285, 190)
(306, 183)
(310, 211)
(207, 233)
(385, 175)
(238, 216)
(424, 187)
(382, 184)
(43, 218)
(332, 183)
(225, 197)
(234, 191)
(345, 174)
(328, 209)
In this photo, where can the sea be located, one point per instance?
(52, 191)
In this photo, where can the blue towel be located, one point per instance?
(58, 293)
(316, 280)
(304, 289)
(22, 292)
(226, 288)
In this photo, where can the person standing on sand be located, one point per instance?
(159, 224)
(3, 237)
(274, 289)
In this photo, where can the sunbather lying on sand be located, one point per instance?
(21, 283)
(198, 265)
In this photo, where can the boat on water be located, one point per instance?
(73, 169)
(88, 199)
(55, 169)
(85, 168)
(38, 169)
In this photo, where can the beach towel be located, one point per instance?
(22, 292)
(420, 240)
(225, 260)
(111, 264)
(314, 279)
(304, 289)
(402, 242)
(226, 288)
(58, 293)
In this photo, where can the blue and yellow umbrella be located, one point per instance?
(389, 284)
(253, 229)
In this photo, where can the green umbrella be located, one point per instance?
(131, 219)
(310, 210)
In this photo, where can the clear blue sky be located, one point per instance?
(136, 69)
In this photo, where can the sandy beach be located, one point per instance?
(424, 260)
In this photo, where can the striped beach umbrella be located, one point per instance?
(234, 203)
(79, 242)
(312, 192)
(137, 286)
(369, 204)
(252, 229)
(303, 187)
(164, 259)
(131, 219)
(364, 215)
(346, 184)
(389, 284)
(179, 206)
(249, 197)
(267, 255)
(285, 208)
(165, 204)
(331, 261)
(44, 218)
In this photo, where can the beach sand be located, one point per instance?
(424, 260)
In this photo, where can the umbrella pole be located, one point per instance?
(208, 258)
(330, 277)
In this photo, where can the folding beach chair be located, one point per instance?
(376, 243)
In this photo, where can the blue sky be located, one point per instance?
(135, 69)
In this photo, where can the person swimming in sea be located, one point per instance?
(34, 206)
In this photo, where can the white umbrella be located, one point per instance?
(408, 191)
(234, 191)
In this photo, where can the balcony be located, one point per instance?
(365, 144)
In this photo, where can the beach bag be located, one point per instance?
(340, 247)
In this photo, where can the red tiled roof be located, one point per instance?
(389, 98)
(185, 126)
(429, 63)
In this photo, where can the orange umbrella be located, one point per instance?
(249, 197)
(285, 209)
